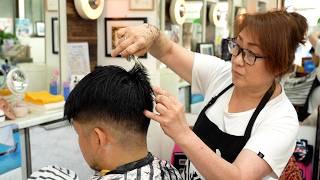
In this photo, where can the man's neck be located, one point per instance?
(124, 155)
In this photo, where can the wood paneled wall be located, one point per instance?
(82, 30)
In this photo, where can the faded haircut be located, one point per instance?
(112, 95)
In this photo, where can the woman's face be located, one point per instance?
(243, 74)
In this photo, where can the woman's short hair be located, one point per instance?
(279, 34)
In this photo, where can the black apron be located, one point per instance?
(228, 145)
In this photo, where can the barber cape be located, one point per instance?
(147, 168)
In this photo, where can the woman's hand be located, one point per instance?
(135, 40)
(171, 115)
(7, 109)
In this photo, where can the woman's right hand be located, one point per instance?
(170, 115)
(135, 40)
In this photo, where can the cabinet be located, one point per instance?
(57, 146)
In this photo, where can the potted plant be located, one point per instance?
(5, 36)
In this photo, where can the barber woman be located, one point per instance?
(247, 128)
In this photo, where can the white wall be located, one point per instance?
(37, 50)
(63, 51)
(6, 12)
(52, 60)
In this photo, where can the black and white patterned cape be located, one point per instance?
(148, 168)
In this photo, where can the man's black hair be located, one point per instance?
(113, 95)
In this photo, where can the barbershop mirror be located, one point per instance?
(17, 81)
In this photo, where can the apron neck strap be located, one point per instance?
(260, 106)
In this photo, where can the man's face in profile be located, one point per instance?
(86, 139)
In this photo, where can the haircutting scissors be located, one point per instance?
(134, 59)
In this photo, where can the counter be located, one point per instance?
(35, 119)
(24, 124)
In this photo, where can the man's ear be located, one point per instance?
(102, 136)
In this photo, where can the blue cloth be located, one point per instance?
(10, 156)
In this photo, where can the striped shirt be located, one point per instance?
(148, 168)
(54, 173)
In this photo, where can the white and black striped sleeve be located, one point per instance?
(53, 173)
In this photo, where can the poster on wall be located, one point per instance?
(23, 27)
(78, 58)
(112, 25)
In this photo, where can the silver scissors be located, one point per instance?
(134, 59)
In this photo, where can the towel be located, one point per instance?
(6, 136)
(45, 107)
(5, 92)
(42, 97)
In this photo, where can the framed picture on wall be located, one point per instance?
(40, 31)
(55, 35)
(112, 25)
(205, 48)
(141, 5)
(262, 6)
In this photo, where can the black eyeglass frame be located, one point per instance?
(230, 47)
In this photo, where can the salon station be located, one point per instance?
(48, 46)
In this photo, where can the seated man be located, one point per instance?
(314, 98)
(106, 109)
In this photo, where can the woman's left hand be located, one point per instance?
(135, 40)
(171, 115)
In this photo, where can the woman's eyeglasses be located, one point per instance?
(248, 56)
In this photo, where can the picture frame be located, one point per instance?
(205, 48)
(114, 24)
(55, 35)
(141, 5)
(261, 6)
(40, 29)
